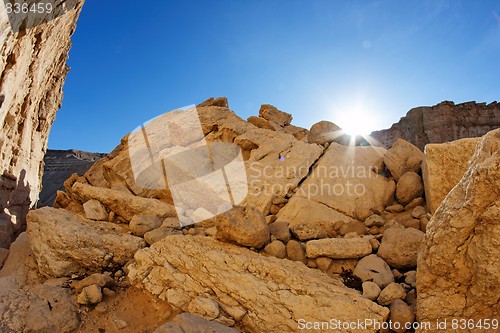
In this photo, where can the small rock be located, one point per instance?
(399, 247)
(276, 249)
(423, 224)
(412, 223)
(388, 197)
(306, 232)
(108, 292)
(140, 224)
(158, 234)
(362, 214)
(271, 218)
(119, 324)
(397, 274)
(411, 299)
(370, 290)
(171, 222)
(323, 263)
(295, 251)
(338, 248)
(395, 208)
(373, 268)
(401, 313)
(414, 203)
(90, 295)
(390, 293)
(95, 210)
(280, 230)
(418, 212)
(374, 221)
(354, 226)
(101, 280)
(411, 278)
(375, 244)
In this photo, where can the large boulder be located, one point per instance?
(458, 273)
(33, 69)
(443, 167)
(261, 294)
(403, 157)
(344, 179)
(271, 113)
(324, 132)
(409, 187)
(64, 243)
(245, 226)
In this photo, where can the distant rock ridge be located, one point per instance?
(441, 123)
(59, 166)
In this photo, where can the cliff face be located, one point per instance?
(32, 72)
(443, 122)
(59, 166)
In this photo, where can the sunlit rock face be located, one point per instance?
(443, 122)
(33, 68)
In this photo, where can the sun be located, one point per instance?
(357, 123)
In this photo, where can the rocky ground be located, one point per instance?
(325, 231)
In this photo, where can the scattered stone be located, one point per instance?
(338, 248)
(362, 214)
(90, 295)
(101, 280)
(140, 224)
(390, 293)
(306, 232)
(412, 223)
(395, 208)
(295, 251)
(276, 249)
(411, 299)
(403, 157)
(402, 314)
(155, 235)
(119, 323)
(280, 230)
(415, 203)
(423, 224)
(323, 263)
(371, 290)
(418, 212)
(354, 226)
(375, 244)
(245, 226)
(373, 268)
(341, 266)
(409, 187)
(95, 210)
(374, 221)
(399, 247)
(411, 278)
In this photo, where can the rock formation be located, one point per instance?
(441, 123)
(33, 69)
(458, 268)
(59, 165)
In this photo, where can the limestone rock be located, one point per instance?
(409, 187)
(338, 248)
(245, 226)
(402, 314)
(125, 205)
(95, 210)
(458, 271)
(64, 243)
(219, 101)
(90, 295)
(280, 230)
(390, 293)
(443, 167)
(271, 113)
(323, 132)
(140, 224)
(357, 227)
(33, 69)
(374, 221)
(98, 279)
(399, 247)
(371, 290)
(155, 235)
(274, 293)
(295, 251)
(403, 157)
(186, 322)
(260, 123)
(373, 268)
(276, 249)
(443, 122)
(204, 307)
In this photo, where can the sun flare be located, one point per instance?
(356, 123)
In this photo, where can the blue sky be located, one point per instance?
(319, 60)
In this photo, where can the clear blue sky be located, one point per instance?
(319, 60)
